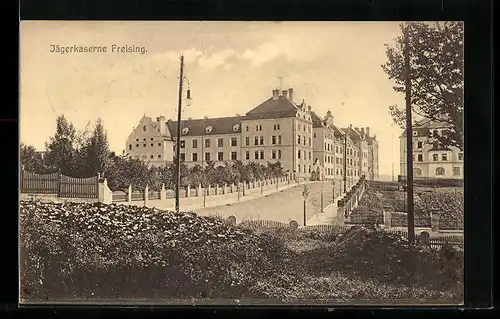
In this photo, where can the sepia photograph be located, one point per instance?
(241, 163)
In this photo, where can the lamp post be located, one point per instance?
(333, 190)
(305, 194)
(178, 139)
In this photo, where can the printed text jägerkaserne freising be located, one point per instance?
(114, 48)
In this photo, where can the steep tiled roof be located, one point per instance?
(353, 135)
(198, 127)
(338, 132)
(440, 148)
(317, 121)
(273, 108)
(423, 127)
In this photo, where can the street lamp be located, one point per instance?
(178, 139)
(305, 194)
(333, 189)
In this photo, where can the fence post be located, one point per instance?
(209, 188)
(224, 190)
(163, 192)
(129, 194)
(146, 194)
(188, 191)
(59, 184)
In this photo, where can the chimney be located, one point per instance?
(285, 93)
(357, 129)
(161, 124)
(350, 126)
(329, 113)
(363, 132)
(309, 108)
(290, 94)
(190, 118)
(368, 131)
(205, 117)
(276, 94)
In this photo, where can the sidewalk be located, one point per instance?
(329, 215)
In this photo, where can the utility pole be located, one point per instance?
(409, 140)
(178, 140)
(345, 162)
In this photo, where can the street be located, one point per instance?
(283, 206)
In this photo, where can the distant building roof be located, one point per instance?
(423, 127)
(317, 121)
(273, 108)
(439, 148)
(353, 135)
(215, 126)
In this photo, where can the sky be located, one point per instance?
(231, 68)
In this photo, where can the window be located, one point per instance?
(130, 147)
(234, 156)
(326, 159)
(247, 155)
(256, 127)
(444, 157)
(137, 140)
(456, 171)
(273, 138)
(298, 139)
(247, 140)
(220, 156)
(159, 144)
(207, 142)
(195, 157)
(419, 144)
(220, 142)
(144, 139)
(298, 154)
(314, 135)
(439, 171)
(420, 158)
(417, 171)
(151, 156)
(326, 147)
(151, 138)
(262, 140)
(152, 144)
(460, 156)
(234, 141)
(279, 139)
(276, 127)
(159, 156)
(195, 143)
(261, 155)
(337, 171)
(256, 155)
(207, 157)
(310, 155)
(144, 145)
(435, 157)
(309, 167)
(183, 144)
(247, 128)
(183, 157)
(279, 154)
(136, 145)
(256, 142)
(144, 128)
(309, 141)
(274, 155)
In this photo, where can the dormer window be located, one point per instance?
(208, 129)
(144, 128)
(185, 130)
(236, 127)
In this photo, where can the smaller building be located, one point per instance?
(151, 141)
(431, 160)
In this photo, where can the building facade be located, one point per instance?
(277, 130)
(151, 141)
(431, 160)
